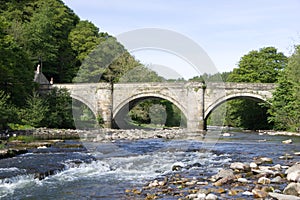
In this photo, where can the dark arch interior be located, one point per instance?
(149, 113)
(243, 112)
(83, 116)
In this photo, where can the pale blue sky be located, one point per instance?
(225, 29)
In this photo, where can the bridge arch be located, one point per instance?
(216, 103)
(143, 96)
(82, 100)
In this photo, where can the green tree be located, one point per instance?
(263, 66)
(34, 112)
(7, 111)
(140, 74)
(107, 63)
(84, 37)
(16, 69)
(286, 98)
(59, 114)
(45, 37)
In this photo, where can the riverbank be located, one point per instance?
(107, 134)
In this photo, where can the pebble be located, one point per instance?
(247, 193)
(202, 183)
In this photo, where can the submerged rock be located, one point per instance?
(262, 160)
(292, 189)
(259, 193)
(289, 141)
(211, 197)
(240, 166)
(283, 196)
(293, 173)
(264, 181)
(223, 176)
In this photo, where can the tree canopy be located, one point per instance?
(258, 66)
(286, 98)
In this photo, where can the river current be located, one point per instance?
(106, 170)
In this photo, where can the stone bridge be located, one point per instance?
(195, 100)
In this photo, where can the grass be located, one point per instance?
(23, 138)
(2, 146)
(19, 126)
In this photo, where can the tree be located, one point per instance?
(140, 74)
(35, 111)
(45, 37)
(59, 114)
(286, 98)
(16, 69)
(263, 66)
(84, 37)
(7, 111)
(107, 63)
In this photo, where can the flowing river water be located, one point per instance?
(106, 170)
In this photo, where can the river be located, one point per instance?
(106, 170)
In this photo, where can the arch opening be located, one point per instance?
(84, 117)
(244, 111)
(149, 112)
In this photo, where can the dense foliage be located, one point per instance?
(286, 99)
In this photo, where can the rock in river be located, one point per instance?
(293, 173)
(292, 189)
(240, 166)
(283, 196)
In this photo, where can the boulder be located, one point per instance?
(292, 189)
(211, 197)
(259, 193)
(253, 165)
(223, 173)
(223, 176)
(262, 160)
(277, 179)
(240, 166)
(293, 173)
(289, 141)
(283, 196)
(264, 181)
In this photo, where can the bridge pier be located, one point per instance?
(195, 107)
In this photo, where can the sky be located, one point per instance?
(225, 29)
